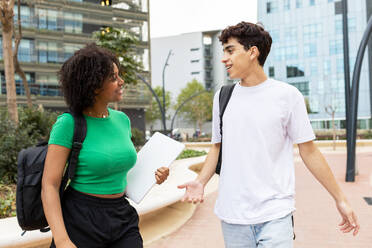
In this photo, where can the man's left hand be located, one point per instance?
(349, 219)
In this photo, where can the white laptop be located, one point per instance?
(159, 151)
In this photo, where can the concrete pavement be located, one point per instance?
(316, 218)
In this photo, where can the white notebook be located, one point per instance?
(159, 151)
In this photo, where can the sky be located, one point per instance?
(173, 17)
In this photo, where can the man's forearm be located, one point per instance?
(210, 164)
(318, 166)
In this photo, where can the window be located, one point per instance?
(327, 67)
(43, 52)
(311, 2)
(335, 47)
(52, 52)
(52, 19)
(310, 50)
(26, 50)
(287, 4)
(69, 49)
(290, 33)
(26, 16)
(289, 51)
(312, 31)
(73, 22)
(274, 35)
(340, 65)
(295, 71)
(313, 68)
(271, 71)
(195, 72)
(30, 77)
(47, 19)
(338, 25)
(271, 6)
(298, 3)
(352, 24)
(42, 20)
(194, 49)
(303, 87)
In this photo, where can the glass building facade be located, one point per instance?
(53, 30)
(307, 52)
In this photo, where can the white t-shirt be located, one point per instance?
(260, 125)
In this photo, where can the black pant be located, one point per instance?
(93, 222)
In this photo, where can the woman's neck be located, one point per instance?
(97, 110)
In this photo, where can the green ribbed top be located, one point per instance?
(107, 153)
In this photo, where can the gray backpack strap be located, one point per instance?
(225, 95)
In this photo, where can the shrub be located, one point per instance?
(7, 201)
(33, 127)
(189, 153)
(138, 137)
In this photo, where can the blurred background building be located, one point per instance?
(195, 55)
(307, 52)
(54, 29)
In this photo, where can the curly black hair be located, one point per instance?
(249, 34)
(84, 73)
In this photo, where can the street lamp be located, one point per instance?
(164, 108)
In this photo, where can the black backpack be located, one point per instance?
(30, 213)
(225, 95)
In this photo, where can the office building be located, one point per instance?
(307, 52)
(54, 29)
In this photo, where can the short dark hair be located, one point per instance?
(84, 73)
(249, 34)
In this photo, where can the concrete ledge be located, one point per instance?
(320, 143)
(160, 196)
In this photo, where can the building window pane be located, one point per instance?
(271, 71)
(52, 52)
(335, 47)
(43, 52)
(271, 7)
(52, 19)
(311, 2)
(298, 3)
(310, 50)
(295, 71)
(303, 87)
(42, 19)
(312, 31)
(287, 4)
(327, 67)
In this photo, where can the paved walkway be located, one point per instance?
(316, 218)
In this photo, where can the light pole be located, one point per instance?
(164, 109)
(350, 170)
(156, 98)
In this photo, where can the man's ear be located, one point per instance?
(254, 52)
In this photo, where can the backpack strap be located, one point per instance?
(80, 131)
(224, 97)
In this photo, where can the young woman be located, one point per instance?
(93, 211)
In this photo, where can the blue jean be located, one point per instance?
(276, 233)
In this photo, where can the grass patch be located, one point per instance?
(189, 153)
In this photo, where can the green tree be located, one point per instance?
(153, 113)
(199, 109)
(124, 45)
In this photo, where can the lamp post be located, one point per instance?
(164, 108)
(350, 170)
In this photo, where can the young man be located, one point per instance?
(262, 121)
